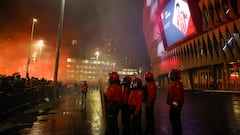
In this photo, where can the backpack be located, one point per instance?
(145, 93)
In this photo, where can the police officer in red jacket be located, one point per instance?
(175, 100)
(114, 100)
(125, 110)
(135, 104)
(151, 89)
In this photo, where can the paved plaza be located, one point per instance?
(204, 113)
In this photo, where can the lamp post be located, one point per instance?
(97, 55)
(60, 29)
(30, 46)
(40, 45)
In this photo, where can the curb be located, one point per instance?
(214, 91)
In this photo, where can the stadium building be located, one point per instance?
(199, 37)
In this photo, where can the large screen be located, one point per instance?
(177, 21)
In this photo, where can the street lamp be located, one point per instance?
(97, 55)
(30, 46)
(40, 45)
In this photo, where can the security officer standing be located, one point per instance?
(113, 100)
(151, 89)
(135, 105)
(175, 100)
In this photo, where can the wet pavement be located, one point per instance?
(70, 116)
(202, 114)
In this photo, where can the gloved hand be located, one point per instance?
(175, 104)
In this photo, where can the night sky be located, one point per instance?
(89, 22)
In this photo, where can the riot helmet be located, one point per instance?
(174, 74)
(149, 76)
(137, 83)
(127, 80)
(114, 77)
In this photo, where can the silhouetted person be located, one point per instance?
(175, 100)
(114, 100)
(135, 104)
(151, 89)
(125, 110)
(84, 89)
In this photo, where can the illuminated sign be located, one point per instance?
(177, 21)
(160, 49)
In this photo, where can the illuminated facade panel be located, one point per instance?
(205, 44)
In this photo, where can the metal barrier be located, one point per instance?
(10, 102)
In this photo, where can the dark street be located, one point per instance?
(202, 114)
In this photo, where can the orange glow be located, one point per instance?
(13, 58)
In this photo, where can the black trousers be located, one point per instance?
(150, 127)
(136, 127)
(84, 96)
(112, 119)
(126, 119)
(175, 119)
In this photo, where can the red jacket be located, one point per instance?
(151, 89)
(114, 93)
(84, 88)
(135, 99)
(175, 93)
(126, 93)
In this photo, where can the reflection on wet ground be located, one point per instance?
(71, 117)
(202, 114)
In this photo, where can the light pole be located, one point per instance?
(97, 68)
(30, 46)
(97, 55)
(60, 29)
(40, 45)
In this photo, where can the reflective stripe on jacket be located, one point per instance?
(175, 93)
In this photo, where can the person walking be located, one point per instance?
(125, 110)
(113, 100)
(84, 89)
(175, 100)
(151, 89)
(135, 105)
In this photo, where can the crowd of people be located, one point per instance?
(130, 96)
(16, 90)
(14, 84)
